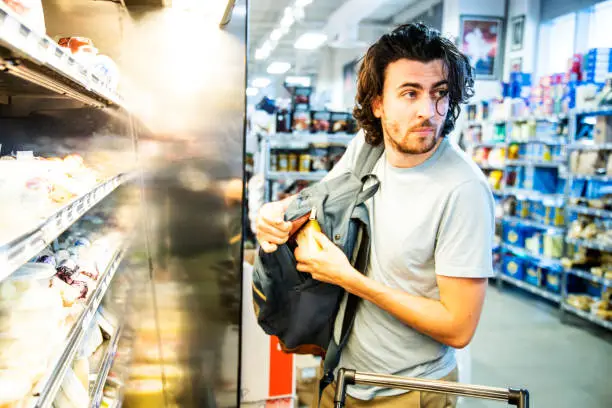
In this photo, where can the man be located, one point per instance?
(432, 222)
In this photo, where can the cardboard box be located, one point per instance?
(602, 133)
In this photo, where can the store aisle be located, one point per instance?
(521, 342)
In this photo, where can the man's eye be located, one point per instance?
(410, 94)
(441, 93)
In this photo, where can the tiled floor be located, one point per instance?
(521, 342)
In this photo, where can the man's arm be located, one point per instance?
(452, 320)
(462, 259)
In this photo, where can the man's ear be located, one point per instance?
(377, 107)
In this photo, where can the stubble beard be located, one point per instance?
(389, 137)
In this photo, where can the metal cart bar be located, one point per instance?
(515, 397)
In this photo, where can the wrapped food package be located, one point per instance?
(14, 388)
(80, 366)
(31, 11)
(72, 394)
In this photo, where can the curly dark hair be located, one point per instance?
(414, 41)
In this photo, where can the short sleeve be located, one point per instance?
(348, 158)
(465, 235)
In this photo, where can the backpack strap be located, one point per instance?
(368, 156)
(367, 159)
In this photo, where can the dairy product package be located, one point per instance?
(31, 11)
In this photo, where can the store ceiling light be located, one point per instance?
(310, 41)
(276, 34)
(261, 54)
(252, 91)
(298, 80)
(261, 82)
(278, 67)
(287, 20)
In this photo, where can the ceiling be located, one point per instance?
(265, 15)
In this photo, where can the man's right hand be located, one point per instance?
(272, 229)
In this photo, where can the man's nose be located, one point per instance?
(427, 108)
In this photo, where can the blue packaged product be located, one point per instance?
(82, 242)
(514, 267)
(593, 289)
(514, 234)
(553, 281)
(533, 274)
(47, 259)
(543, 180)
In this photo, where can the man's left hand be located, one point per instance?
(327, 265)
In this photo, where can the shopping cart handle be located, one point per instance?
(515, 397)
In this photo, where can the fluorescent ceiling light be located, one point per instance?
(261, 54)
(252, 91)
(310, 41)
(298, 80)
(287, 20)
(261, 82)
(298, 13)
(276, 34)
(302, 3)
(278, 67)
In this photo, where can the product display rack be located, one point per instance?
(34, 61)
(75, 337)
(556, 200)
(20, 250)
(105, 367)
(295, 141)
(33, 65)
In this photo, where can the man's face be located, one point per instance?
(414, 105)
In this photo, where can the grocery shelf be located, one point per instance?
(32, 58)
(549, 199)
(302, 140)
(534, 163)
(593, 112)
(553, 297)
(296, 175)
(550, 141)
(21, 249)
(541, 118)
(590, 177)
(587, 316)
(589, 243)
(490, 144)
(589, 146)
(105, 367)
(486, 166)
(590, 211)
(53, 381)
(589, 276)
(540, 259)
(532, 223)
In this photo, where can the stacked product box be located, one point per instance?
(598, 64)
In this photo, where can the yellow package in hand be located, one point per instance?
(305, 236)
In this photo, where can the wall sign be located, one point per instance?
(480, 39)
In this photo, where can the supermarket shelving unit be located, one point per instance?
(295, 141)
(556, 200)
(33, 65)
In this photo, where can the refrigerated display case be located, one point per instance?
(120, 219)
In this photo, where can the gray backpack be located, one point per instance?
(293, 306)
